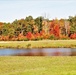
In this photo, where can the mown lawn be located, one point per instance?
(39, 44)
(14, 65)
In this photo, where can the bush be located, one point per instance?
(73, 36)
(52, 37)
(64, 37)
(28, 45)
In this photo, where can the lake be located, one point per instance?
(39, 52)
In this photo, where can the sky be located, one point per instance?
(51, 9)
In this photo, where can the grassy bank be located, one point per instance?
(39, 44)
(38, 65)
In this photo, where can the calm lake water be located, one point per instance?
(39, 52)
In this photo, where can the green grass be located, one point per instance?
(38, 44)
(14, 65)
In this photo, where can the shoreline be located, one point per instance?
(39, 44)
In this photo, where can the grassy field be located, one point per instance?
(37, 65)
(38, 44)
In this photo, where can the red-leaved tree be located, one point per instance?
(29, 36)
(73, 36)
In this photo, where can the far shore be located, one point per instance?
(39, 44)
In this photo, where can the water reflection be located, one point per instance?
(39, 52)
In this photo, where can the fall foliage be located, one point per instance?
(38, 29)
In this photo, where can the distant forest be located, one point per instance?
(38, 29)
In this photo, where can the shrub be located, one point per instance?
(73, 36)
(52, 37)
(64, 37)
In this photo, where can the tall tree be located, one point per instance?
(72, 24)
(38, 22)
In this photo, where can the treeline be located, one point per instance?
(38, 29)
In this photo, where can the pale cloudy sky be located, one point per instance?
(17, 9)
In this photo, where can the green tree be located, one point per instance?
(5, 29)
(72, 24)
(38, 22)
(29, 18)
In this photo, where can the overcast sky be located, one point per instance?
(17, 9)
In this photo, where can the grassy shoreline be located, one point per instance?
(39, 44)
(37, 65)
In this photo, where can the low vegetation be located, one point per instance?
(39, 44)
(37, 65)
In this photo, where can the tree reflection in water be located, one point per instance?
(39, 52)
